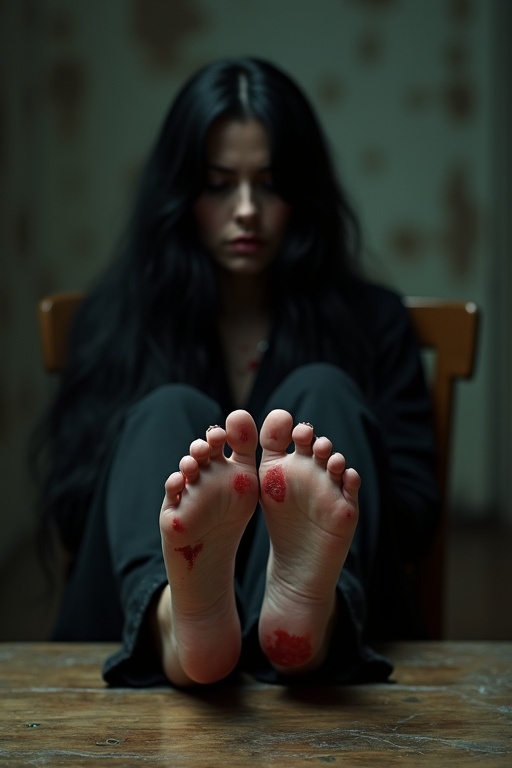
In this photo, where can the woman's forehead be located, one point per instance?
(232, 143)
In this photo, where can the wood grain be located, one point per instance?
(447, 702)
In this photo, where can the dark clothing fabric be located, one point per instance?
(384, 433)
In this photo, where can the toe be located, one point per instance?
(200, 450)
(303, 438)
(276, 432)
(351, 483)
(216, 440)
(173, 488)
(322, 449)
(242, 436)
(189, 468)
(336, 465)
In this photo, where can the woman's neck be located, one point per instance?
(243, 299)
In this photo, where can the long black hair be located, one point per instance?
(151, 307)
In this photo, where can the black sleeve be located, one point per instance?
(401, 402)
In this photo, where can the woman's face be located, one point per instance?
(240, 218)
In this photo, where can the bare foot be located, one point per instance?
(310, 503)
(206, 508)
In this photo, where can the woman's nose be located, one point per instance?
(245, 206)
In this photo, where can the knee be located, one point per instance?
(322, 379)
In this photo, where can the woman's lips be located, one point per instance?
(247, 244)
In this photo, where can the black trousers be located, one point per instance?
(120, 569)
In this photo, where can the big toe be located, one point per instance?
(242, 435)
(276, 431)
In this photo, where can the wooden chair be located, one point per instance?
(447, 328)
(55, 314)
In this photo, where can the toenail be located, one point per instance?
(307, 423)
(213, 426)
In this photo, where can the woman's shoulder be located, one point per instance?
(384, 315)
(376, 305)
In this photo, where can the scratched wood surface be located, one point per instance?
(448, 702)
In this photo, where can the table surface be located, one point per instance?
(447, 701)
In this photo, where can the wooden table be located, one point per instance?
(448, 702)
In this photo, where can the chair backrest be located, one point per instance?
(55, 314)
(448, 328)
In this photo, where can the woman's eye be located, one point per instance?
(217, 186)
(266, 182)
(224, 186)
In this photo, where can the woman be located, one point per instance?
(236, 300)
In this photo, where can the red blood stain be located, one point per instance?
(242, 483)
(275, 484)
(288, 650)
(178, 525)
(244, 434)
(190, 553)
